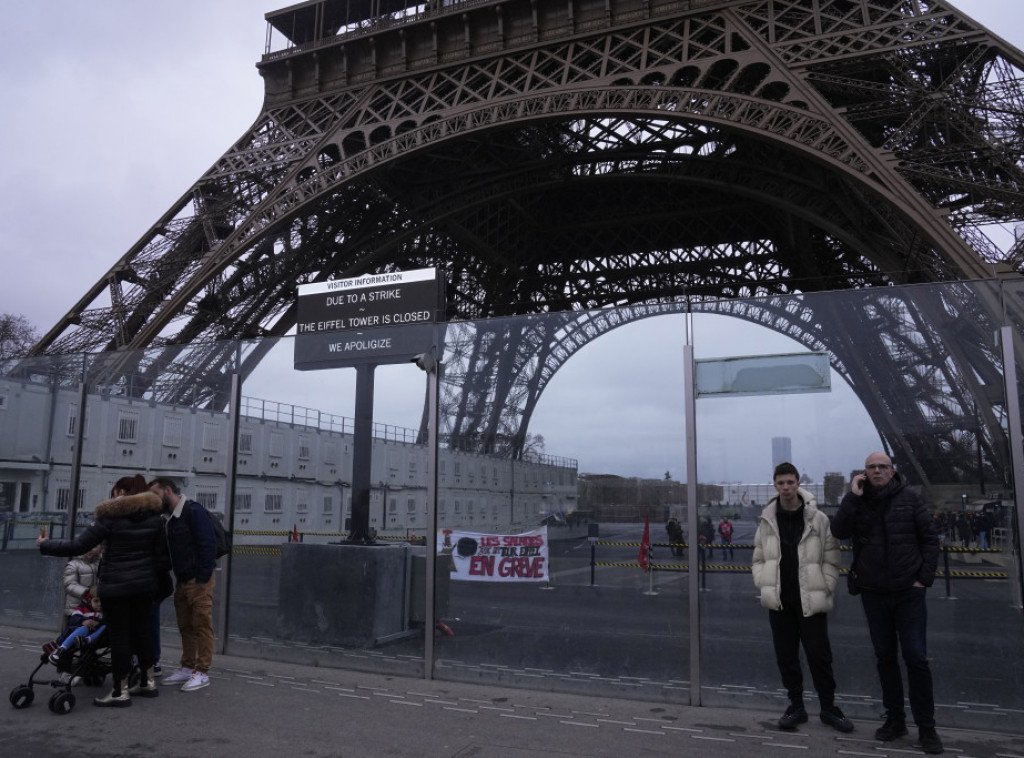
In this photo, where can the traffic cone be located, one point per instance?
(295, 533)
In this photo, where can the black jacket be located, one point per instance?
(135, 552)
(895, 534)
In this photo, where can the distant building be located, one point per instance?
(782, 450)
(835, 487)
(758, 494)
(293, 467)
(608, 497)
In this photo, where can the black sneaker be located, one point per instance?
(836, 719)
(795, 714)
(929, 741)
(893, 728)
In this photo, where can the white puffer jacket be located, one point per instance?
(79, 576)
(818, 553)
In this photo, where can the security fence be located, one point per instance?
(927, 374)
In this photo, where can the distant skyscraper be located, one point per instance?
(782, 450)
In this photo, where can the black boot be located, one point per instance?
(795, 714)
(929, 740)
(895, 726)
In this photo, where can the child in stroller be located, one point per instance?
(81, 654)
(84, 628)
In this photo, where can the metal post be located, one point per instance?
(650, 579)
(1013, 423)
(362, 455)
(593, 563)
(429, 620)
(945, 568)
(234, 422)
(76, 462)
(690, 391)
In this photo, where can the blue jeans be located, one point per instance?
(82, 631)
(897, 621)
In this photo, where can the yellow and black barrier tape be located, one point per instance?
(264, 550)
(725, 567)
(974, 574)
(260, 533)
(742, 546)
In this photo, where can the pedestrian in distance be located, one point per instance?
(796, 566)
(706, 534)
(897, 552)
(193, 550)
(725, 535)
(676, 537)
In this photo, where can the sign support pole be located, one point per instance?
(362, 450)
(433, 369)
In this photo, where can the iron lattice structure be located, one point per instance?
(561, 158)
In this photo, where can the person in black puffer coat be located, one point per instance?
(896, 552)
(132, 529)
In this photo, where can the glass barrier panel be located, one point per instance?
(562, 442)
(1006, 515)
(915, 373)
(39, 417)
(541, 527)
(299, 590)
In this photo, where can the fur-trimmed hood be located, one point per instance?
(126, 506)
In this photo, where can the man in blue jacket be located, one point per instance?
(896, 552)
(192, 545)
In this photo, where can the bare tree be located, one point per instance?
(17, 336)
(533, 447)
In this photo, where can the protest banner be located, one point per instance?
(476, 557)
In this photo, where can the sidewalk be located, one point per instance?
(262, 708)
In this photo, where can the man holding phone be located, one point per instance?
(898, 551)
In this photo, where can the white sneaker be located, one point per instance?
(182, 675)
(197, 681)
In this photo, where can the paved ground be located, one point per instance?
(262, 708)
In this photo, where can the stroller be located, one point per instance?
(89, 665)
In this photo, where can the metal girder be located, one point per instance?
(628, 154)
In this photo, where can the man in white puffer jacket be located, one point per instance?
(796, 566)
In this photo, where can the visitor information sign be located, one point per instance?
(376, 318)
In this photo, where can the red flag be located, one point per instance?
(644, 559)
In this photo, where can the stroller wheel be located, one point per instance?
(22, 696)
(62, 703)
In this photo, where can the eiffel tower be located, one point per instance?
(558, 158)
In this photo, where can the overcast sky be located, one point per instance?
(112, 110)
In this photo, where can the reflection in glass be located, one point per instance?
(574, 424)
